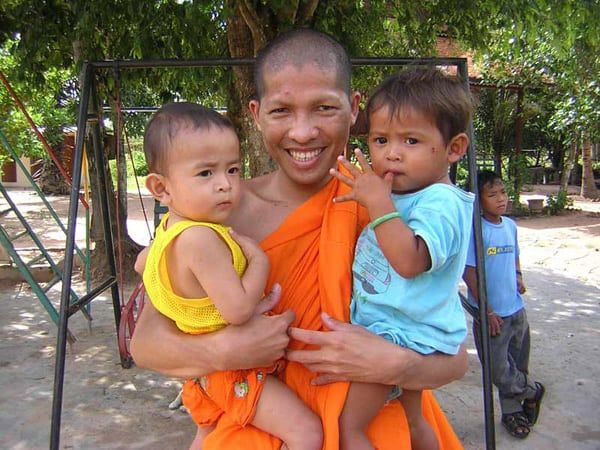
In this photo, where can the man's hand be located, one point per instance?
(351, 353)
(494, 323)
(367, 187)
(158, 345)
(347, 353)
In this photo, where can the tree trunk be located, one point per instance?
(242, 43)
(50, 180)
(568, 164)
(519, 123)
(588, 184)
(121, 167)
(129, 249)
(125, 249)
(498, 158)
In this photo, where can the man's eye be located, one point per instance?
(233, 170)
(278, 111)
(205, 173)
(326, 108)
(380, 140)
(411, 141)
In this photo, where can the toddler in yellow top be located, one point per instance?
(203, 279)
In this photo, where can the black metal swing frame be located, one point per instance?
(88, 120)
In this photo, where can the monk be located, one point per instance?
(304, 109)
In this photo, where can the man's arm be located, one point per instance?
(351, 353)
(158, 345)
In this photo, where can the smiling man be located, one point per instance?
(304, 109)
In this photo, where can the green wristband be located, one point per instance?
(384, 218)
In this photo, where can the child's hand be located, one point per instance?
(520, 285)
(494, 323)
(250, 247)
(368, 188)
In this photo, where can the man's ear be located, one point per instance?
(157, 185)
(457, 147)
(354, 105)
(254, 106)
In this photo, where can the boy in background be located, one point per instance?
(520, 396)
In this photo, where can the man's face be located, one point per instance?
(305, 118)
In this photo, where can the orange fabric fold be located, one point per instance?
(321, 234)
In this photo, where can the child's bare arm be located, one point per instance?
(209, 260)
(520, 284)
(494, 320)
(140, 261)
(470, 279)
(407, 253)
(257, 271)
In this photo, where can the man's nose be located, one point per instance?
(303, 129)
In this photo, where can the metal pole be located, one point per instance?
(488, 402)
(59, 367)
(105, 210)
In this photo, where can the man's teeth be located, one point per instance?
(305, 156)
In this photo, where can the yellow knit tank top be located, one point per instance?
(196, 316)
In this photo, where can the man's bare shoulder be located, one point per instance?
(259, 188)
(261, 209)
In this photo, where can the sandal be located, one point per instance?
(531, 407)
(517, 424)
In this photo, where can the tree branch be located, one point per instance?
(291, 11)
(251, 18)
(306, 12)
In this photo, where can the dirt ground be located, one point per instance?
(107, 407)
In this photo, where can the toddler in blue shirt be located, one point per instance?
(410, 258)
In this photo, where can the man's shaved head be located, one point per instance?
(299, 48)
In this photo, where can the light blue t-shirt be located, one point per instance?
(501, 250)
(423, 313)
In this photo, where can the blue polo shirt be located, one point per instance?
(501, 250)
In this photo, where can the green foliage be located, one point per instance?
(558, 64)
(558, 202)
(518, 166)
(139, 163)
(47, 103)
(462, 175)
(140, 167)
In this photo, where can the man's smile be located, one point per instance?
(305, 156)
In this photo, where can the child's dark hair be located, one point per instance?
(429, 91)
(487, 178)
(169, 120)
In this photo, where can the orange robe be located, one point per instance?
(311, 257)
